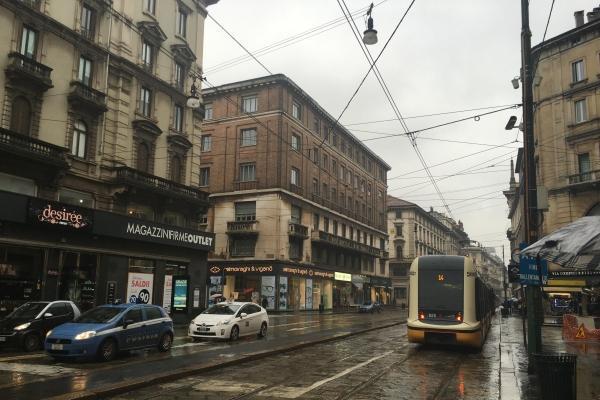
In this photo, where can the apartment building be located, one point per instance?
(414, 232)
(99, 177)
(297, 202)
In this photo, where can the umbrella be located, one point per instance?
(576, 245)
(216, 295)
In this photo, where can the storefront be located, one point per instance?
(381, 289)
(275, 286)
(51, 250)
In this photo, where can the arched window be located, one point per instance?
(143, 157)
(176, 169)
(79, 139)
(20, 118)
(398, 251)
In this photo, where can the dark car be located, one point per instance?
(27, 325)
(106, 330)
(370, 307)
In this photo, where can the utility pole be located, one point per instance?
(504, 283)
(533, 293)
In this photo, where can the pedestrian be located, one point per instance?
(265, 302)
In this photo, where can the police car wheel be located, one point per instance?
(263, 330)
(107, 350)
(31, 342)
(235, 333)
(165, 343)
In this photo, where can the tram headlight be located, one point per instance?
(421, 315)
(459, 316)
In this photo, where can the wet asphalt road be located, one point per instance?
(36, 376)
(377, 365)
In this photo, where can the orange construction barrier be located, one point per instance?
(576, 328)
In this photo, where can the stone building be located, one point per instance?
(94, 126)
(297, 202)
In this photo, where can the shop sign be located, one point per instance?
(57, 214)
(167, 292)
(360, 279)
(576, 273)
(324, 274)
(139, 288)
(114, 225)
(342, 276)
(241, 269)
(180, 295)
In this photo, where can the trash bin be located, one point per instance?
(557, 378)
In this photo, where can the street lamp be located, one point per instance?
(193, 100)
(370, 35)
(515, 82)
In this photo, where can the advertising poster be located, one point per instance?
(180, 296)
(168, 292)
(283, 290)
(139, 288)
(268, 292)
(309, 297)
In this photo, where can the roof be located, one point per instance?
(396, 202)
(590, 26)
(281, 78)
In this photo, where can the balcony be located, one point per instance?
(164, 187)
(28, 72)
(88, 99)
(298, 230)
(245, 185)
(242, 227)
(87, 33)
(16, 144)
(296, 190)
(337, 241)
(583, 131)
(584, 181)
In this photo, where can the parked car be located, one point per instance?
(230, 320)
(27, 325)
(370, 307)
(106, 330)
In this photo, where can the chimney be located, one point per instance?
(579, 18)
(594, 14)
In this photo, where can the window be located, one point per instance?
(208, 111)
(204, 176)
(75, 198)
(79, 139)
(295, 249)
(580, 111)
(316, 222)
(317, 127)
(585, 166)
(296, 110)
(150, 6)
(381, 244)
(577, 71)
(343, 173)
(145, 101)
(143, 157)
(28, 42)
(400, 293)
(335, 228)
(342, 200)
(369, 189)
(181, 22)
(179, 76)
(382, 267)
(315, 188)
(20, 116)
(178, 118)
(87, 22)
(398, 214)
(343, 230)
(245, 211)
(333, 194)
(325, 161)
(295, 176)
(247, 172)
(242, 247)
(249, 104)
(205, 143)
(350, 203)
(85, 71)
(316, 156)
(296, 217)
(325, 191)
(335, 140)
(176, 169)
(326, 224)
(351, 233)
(334, 168)
(295, 142)
(147, 51)
(248, 137)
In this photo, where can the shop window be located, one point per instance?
(245, 211)
(76, 198)
(296, 217)
(78, 278)
(173, 218)
(17, 184)
(141, 212)
(242, 247)
(21, 276)
(140, 281)
(20, 117)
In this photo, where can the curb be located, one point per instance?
(189, 371)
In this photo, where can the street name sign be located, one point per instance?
(528, 270)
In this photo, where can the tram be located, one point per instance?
(448, 303)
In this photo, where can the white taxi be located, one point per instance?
(230, 320)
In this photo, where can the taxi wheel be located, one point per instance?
(107, 350)
(263, 330)
(31, 342)
(235, 333)
(165, 343)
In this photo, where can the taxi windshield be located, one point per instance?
(222, 309)
(28, 310)
(98, 315)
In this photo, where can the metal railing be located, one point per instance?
(87, 33)
(18, 141)
(583, 177)
(19, 61)
(245, 185)
(88, 93)
(242, 226)
(297, 230)
(346, 243)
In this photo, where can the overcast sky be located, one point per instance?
(446, 56)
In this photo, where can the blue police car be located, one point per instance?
(105, 330)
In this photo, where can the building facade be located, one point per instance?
(297, 202)
(414, 232)
(100, 157)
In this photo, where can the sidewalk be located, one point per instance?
(516, 383)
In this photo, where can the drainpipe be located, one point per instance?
(103, 130)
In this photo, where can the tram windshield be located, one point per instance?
(441, 290)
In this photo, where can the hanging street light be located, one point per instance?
(193, 100)
(370, 35)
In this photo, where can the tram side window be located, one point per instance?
(478, 299)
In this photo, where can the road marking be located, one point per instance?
(301, 329)
(227, 386)
(295, 392)
(23, 357)
(189, 345)
(44, 370)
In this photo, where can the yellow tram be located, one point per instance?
(449, 303)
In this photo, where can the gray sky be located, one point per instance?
(446, 56)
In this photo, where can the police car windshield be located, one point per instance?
(222, 309)
(99, 315)
(29, 310)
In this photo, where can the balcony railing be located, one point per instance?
(242, 227)
(18, 143)
(296, 189)
(88, 97)
(245, 185)
(346, 243)
(298, 230)
(30, 68)
(87, 33)
(591, 176)
(144, 180)
(35, 4)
